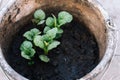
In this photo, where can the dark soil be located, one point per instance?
(76, 56)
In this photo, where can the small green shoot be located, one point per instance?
(64, 17)
(39, 17)
(46, 40)
(27, 50)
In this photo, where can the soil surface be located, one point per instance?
(76, 56)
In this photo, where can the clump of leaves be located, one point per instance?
(48, 39)
(46, 42)
(27, 50)
(52, 22)
(31, 34)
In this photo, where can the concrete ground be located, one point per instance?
(113, 71)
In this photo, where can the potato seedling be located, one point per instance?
(46, 40)
(27, 50)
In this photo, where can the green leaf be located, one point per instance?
(64, 17)
(28, 55)
(38, 41)
(58, 35)
(39, 14)
(23, 54)
(52, 33)
(46, 29)
(46, 38)
(26, 45)
(35, 31)
(54, 44)
(60, 31)
(41, 22)
(44, 58)
(50, 22)
(26, 50)
(30, 34)
(32, 52)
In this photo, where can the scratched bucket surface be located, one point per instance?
(17, 13)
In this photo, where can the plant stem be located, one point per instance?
(55, 20)
(45, 51)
